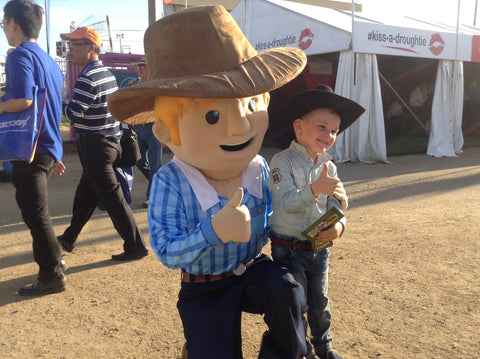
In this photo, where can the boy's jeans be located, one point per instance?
(311, 271)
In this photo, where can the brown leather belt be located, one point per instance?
(204, 278)
(200, 278)
(291, 244)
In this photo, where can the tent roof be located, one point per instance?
(273, 23)
(317, 30)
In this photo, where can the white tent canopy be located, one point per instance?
(269, 24)
(446, 138)
(275, 23)
(364, 141)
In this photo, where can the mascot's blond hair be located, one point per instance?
(169, 109)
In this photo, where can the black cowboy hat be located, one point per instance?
(281, 123)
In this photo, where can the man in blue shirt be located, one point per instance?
(209, 208)
(28, 66)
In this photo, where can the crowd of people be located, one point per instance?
(214, 207)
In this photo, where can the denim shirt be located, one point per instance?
(294, 206)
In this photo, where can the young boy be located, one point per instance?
(304, 185)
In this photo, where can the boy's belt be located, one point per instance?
(291, 244)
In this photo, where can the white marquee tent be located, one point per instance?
(274, 23)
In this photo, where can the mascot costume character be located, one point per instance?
(207, 92)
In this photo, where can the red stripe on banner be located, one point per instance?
(476, 48)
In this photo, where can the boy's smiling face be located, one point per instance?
(220, 137)
(317, 131)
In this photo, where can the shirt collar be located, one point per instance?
(207, 195)
(322, 158)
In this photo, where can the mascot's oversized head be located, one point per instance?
(207, 89)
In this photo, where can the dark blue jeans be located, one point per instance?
(98, 155)
(30, 181)
(311, 271)
(211, 313)
(151, 150)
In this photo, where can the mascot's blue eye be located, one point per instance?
(212, 117)
(252, 106)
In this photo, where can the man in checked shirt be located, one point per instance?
(209, 207)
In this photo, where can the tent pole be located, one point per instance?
(475, 14)
(458, 25)
(402, 101)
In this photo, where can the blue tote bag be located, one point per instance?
(19, 131)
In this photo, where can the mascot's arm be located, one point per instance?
(177, 232)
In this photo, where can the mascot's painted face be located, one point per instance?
(221, 136)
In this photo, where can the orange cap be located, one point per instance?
(84, 32)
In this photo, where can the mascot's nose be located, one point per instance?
(237, 122)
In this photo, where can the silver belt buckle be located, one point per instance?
(240, 269)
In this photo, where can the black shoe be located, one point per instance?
(145, 204)
(39, 288)
(66, 245)
(139, 253)
(331, 354)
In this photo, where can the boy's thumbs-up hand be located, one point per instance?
(232, 222)
(341, 195)
(324, 184)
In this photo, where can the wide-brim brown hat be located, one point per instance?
(201, 52)
(281, 122)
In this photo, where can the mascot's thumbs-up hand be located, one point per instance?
(232, 222)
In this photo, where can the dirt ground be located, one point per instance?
(404, 279)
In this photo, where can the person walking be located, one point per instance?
(150, 147)
(98, 135)
(28, 66)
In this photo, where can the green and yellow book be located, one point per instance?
(332, 216)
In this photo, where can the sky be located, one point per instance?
(129, 18)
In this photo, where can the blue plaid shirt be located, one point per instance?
(181, 205)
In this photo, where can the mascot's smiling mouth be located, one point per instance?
(235, 147)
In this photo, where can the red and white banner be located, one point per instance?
(402, 41)
(476, 48)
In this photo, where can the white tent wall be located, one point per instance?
(446, 138)
(274, 23)
(357, 79)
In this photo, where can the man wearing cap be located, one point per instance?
(28, 66)
(150, 147)
(98, 135)
(209, 208)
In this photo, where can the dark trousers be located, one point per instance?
(98, 182)
(30, 181)
(211, 313)
(151, 150)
